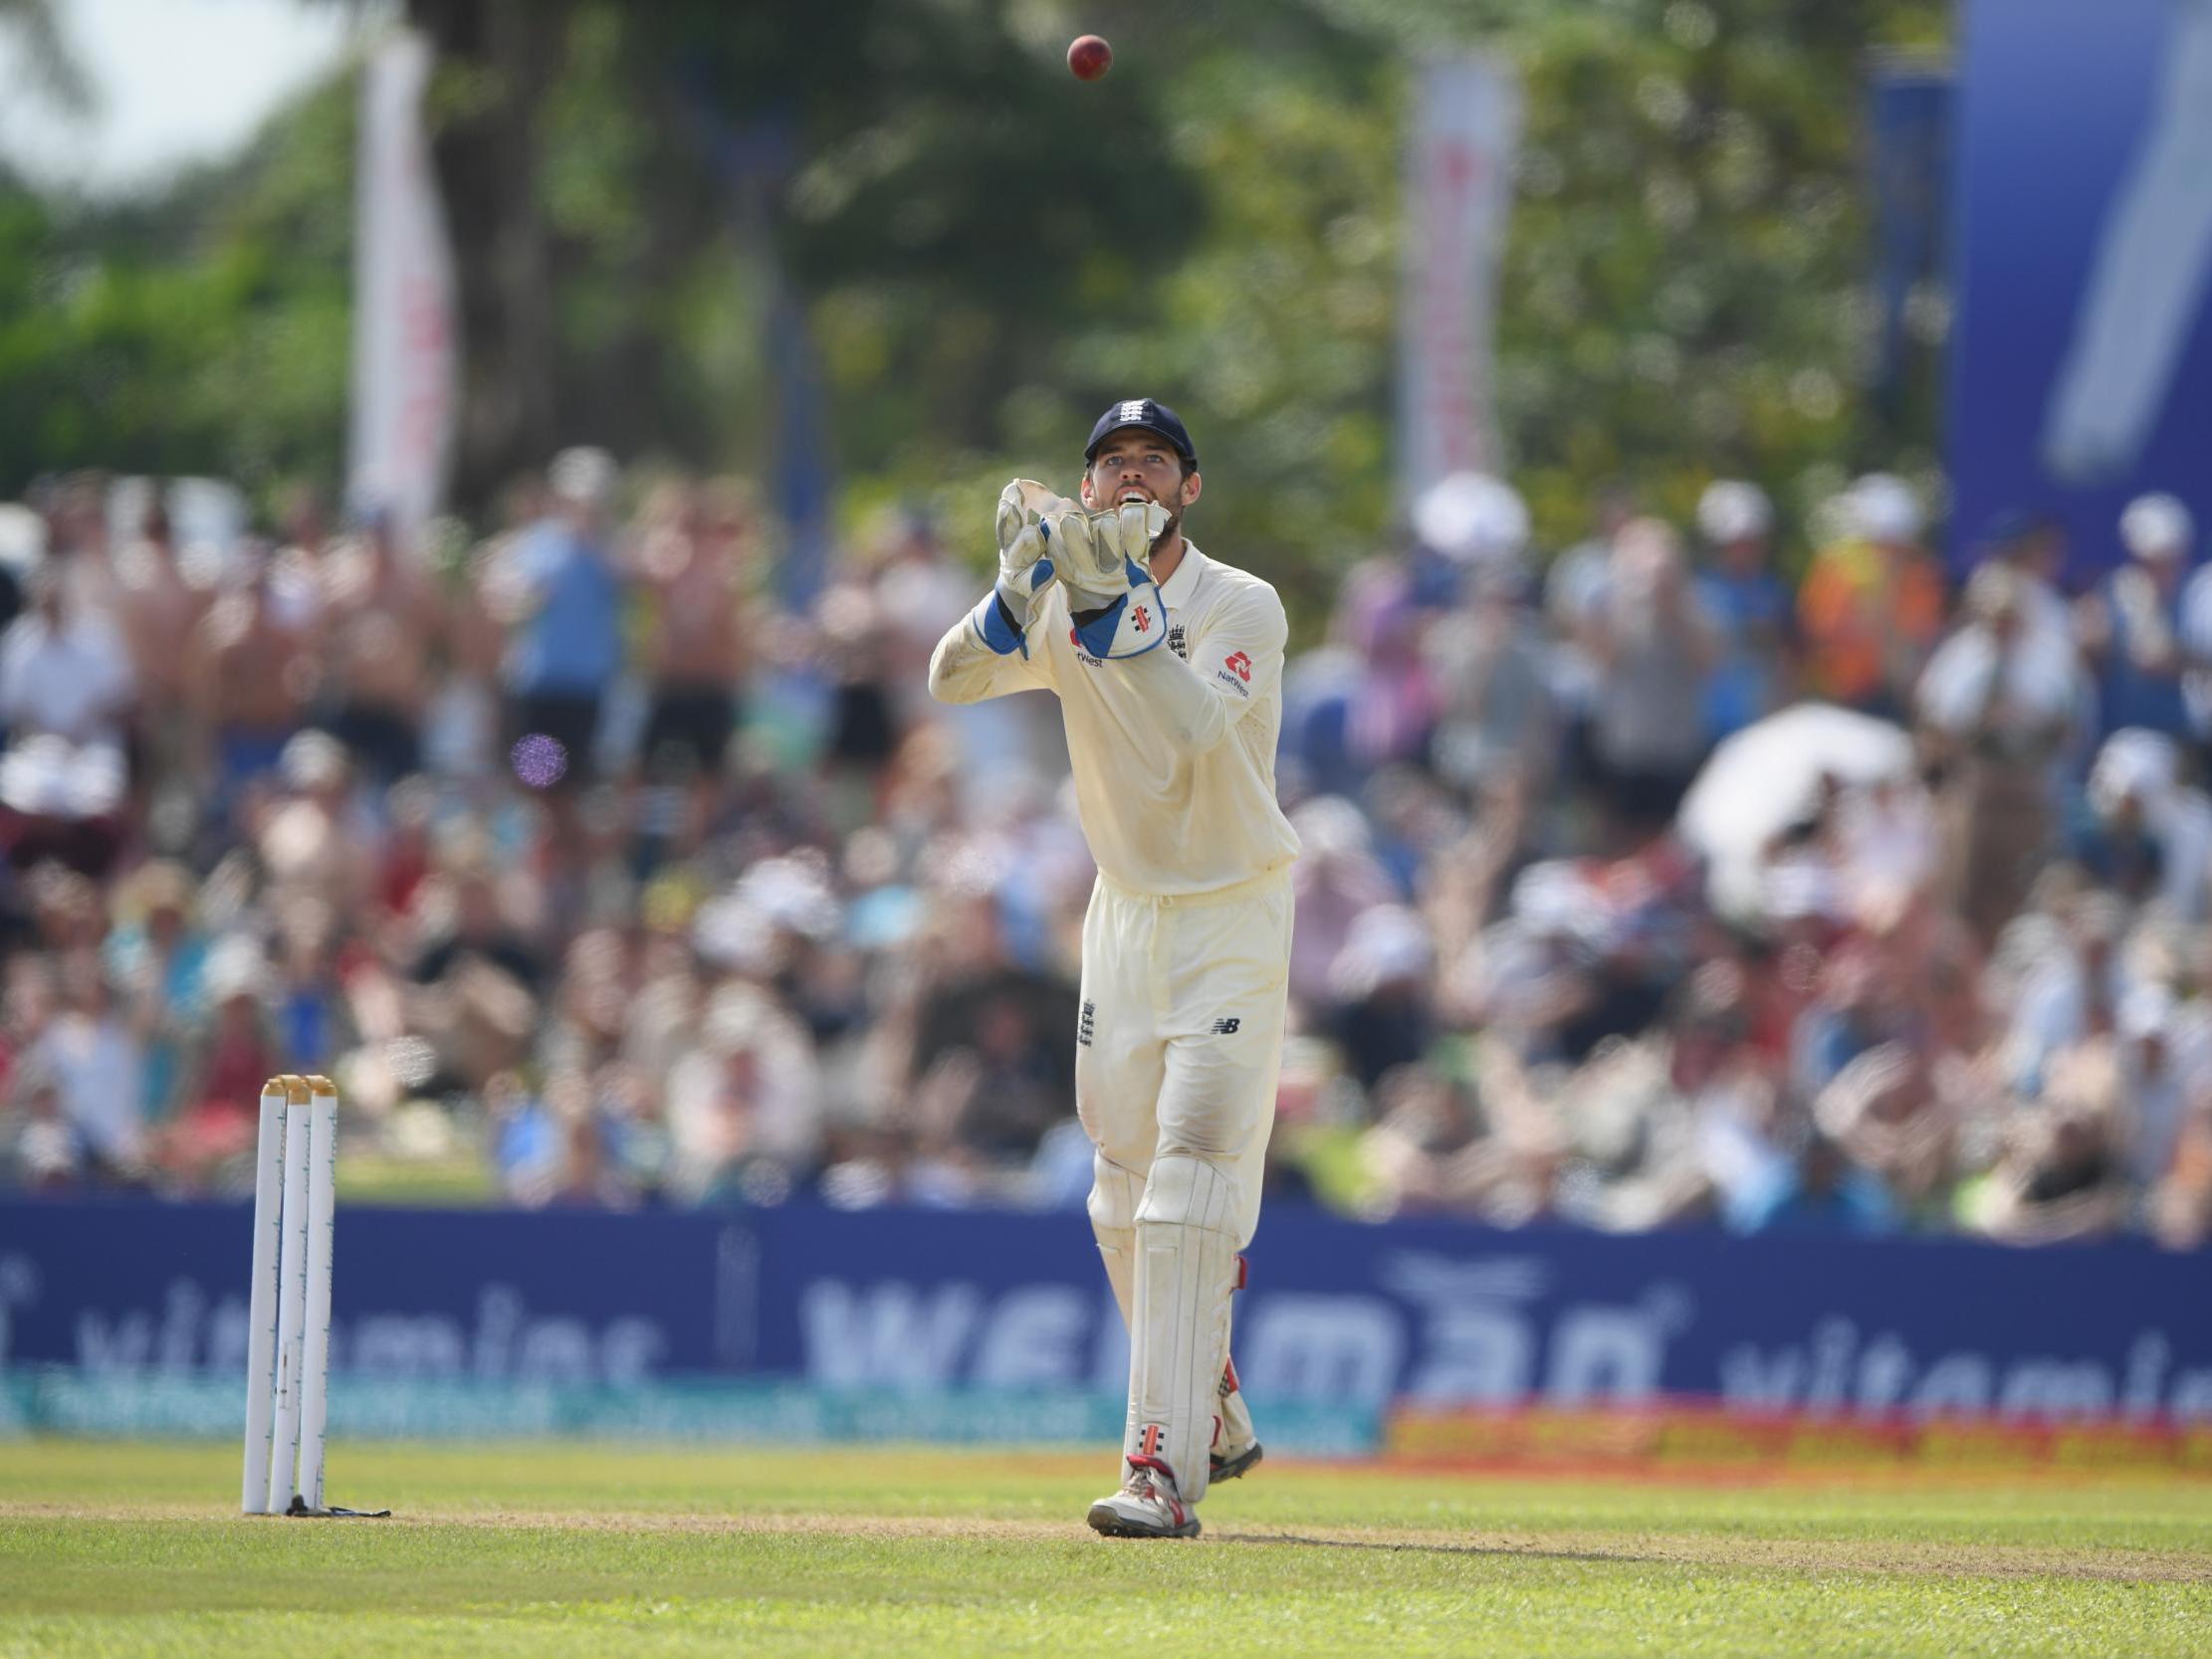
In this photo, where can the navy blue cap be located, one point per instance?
(1143, 413)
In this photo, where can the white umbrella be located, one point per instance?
(1768, 776)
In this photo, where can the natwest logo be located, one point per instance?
(1241, 666)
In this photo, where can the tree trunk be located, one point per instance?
(484, 148)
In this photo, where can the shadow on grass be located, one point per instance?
(1407, 1547)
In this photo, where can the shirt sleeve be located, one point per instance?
(1954, 688)
(2196, 617)
(119, 682)
(963, 669)
(1236, 664)
(15, 685)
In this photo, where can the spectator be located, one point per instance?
(39, 1150)
(1387, 704)
(2059, 1176)
(252, 676)
(1824, 1192)
(1574, 589)
(383, 637)
(1652, 647)
(93, 1060)
(2154, 834)
(222, 1076)
(920, 592)
(745, 1111)
(1752, 609)
(1336, 880)
(691, 556)
(2181, 1203)
(2033, 546)
(2132, 628)
(2071, 986)
(1415, 1158)
(1379, 987)
(66, 693)
(2164, 1061)
(557, 593)
(1998, 707)
(1498, 727)
(65, 671)
(154, 607)
(1889, 1113)
(1871, 605)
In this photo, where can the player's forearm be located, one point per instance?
(960, 668)
(1194, 717)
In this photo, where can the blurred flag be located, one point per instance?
(1458, 184)
(1910, 152)
(806, 478)
(404, 335)
(756, 163)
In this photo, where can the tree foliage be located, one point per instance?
(982, 251)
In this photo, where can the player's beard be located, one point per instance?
(1173, 529)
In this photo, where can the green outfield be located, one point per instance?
(119, 1549)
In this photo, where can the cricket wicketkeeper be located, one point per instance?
(1186, 943)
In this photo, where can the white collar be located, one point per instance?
(1176, 588)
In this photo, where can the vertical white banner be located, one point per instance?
(404, 329)
(1458, 187)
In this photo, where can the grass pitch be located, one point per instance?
(550, 1550)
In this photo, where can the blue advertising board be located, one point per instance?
(1340, 1313)
(2081, 367)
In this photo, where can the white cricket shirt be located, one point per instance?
(1173, 752)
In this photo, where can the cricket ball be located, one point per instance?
(1089, 57)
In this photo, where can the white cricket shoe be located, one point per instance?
(1145, 1506)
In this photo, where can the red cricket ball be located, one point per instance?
(1089, 57)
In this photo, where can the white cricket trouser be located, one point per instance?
(1177, 1056)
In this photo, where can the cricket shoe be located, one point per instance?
(1226, 1466)
(1146, 1506)
(1234, 1424)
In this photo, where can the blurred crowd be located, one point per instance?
(619, 860)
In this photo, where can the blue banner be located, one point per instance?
(1909, 125)
(2081, 367)
(926, 1302)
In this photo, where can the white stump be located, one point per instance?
(261, 1342)
(291, 1298)
(314, 1367)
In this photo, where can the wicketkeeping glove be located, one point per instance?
(1026, 568)
(1115, 603)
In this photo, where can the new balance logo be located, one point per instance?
(1225, 1028)
(1083, 1025)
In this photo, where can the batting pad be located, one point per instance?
(1236, 1431)
(1117, 1250)
(1115, 1195)
(1179, 1336)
